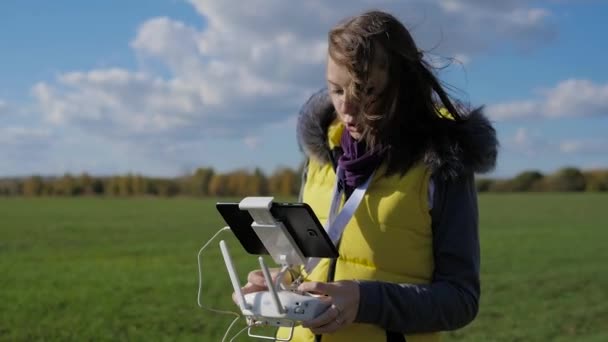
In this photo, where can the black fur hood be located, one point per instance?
(472, 146)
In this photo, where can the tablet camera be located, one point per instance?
(312, 233)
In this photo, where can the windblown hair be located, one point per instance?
(404, 116)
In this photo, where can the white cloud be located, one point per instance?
(172, 42)
(19, 131)
(577, 98)
(7, 109)
(253, 63)
(4, 108)
(23, 139)
(569, 98)
(117, 101)
(584, 146)
(252, 142)
(21, 146)
(462, 58)
(531, 144)
(513, 110)
(16, 136)
(250, 67)
(534, 144)
(521, 137)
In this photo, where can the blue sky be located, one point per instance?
(162, 87)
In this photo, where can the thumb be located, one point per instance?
(249, 287)
(315, 287)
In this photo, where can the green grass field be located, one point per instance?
(125, 269)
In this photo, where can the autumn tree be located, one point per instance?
(526, 181)
(33, 186)
(218, 185)
(200, 181)
(284, 182)
(565, 179)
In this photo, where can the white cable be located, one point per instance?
(237, 334)
(230, 328)
(200, 286)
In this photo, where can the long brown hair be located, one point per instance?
(404, 117)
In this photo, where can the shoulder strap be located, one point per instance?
(334, 155)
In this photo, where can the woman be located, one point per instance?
(409, 255)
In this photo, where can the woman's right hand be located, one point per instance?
(256, 282)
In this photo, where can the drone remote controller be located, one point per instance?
(276, 306)
(272, 307)
(296, 307)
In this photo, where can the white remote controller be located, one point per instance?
(276, 307)
(296, 307)
(272, 307)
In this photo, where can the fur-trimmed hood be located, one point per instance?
(472, 145)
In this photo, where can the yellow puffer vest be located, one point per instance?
(389, 238)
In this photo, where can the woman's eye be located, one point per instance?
(337, 91)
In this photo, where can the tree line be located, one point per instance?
(567, 179)
(204, 182)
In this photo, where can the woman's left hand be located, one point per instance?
(344, 296)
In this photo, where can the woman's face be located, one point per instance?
(339, 80)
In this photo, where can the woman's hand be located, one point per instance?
(344, 296)
(256, 281)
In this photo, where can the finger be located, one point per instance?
(332, 326)
(256, 277)
(324, 318)
(314, 287)
(249, 287)
(328, 328)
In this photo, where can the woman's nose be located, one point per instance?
(348, 107)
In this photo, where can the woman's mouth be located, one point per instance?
(351, 127)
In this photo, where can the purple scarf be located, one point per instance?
(357, 162)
